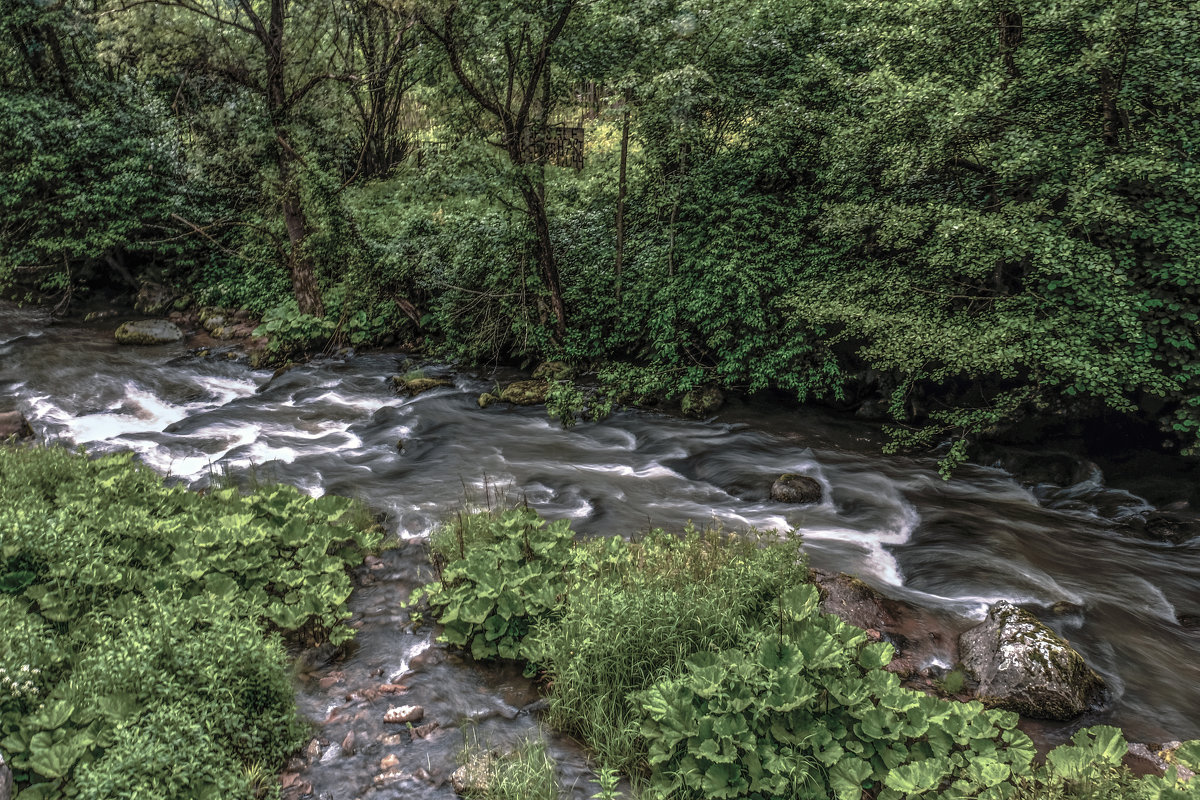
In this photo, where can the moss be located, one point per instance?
(415, 386)
(525, 393)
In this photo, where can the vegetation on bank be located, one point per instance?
(143, 626)
(964, 214)
(701, 667)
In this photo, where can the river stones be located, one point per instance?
(486, 399)
(525, 393)
(1023, 666)
(149, 331)
(402, 714)
(415, 386)
(13, 423)
(701, 403)
(791, 488)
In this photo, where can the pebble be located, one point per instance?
(389, 762)
(332, 753)
(402, 714)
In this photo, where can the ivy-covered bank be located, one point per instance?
(143, 626)
(701, 667)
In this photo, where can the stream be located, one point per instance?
(1127, 602)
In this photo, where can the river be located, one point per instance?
(1127, 602)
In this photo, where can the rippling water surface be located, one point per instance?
(336, 426)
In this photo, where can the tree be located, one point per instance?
(261, 46)
(500, 53)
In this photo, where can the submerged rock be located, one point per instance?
(415, 386)
(149, 331)
(700, 403)
(792, 488)
(1023, 666)
(473, 777)
(403, 714)
(525, 393)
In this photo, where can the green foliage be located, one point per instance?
(808, 712)
(702, 667)
(499, 574)
(524, 773)
(131, 604)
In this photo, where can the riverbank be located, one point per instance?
(334, 425)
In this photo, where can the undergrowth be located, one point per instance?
(146, 624)
(702, 668)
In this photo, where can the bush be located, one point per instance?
(130, 605)
(702, 667)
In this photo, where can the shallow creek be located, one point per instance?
(1128, 603)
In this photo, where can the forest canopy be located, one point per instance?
(964, 211)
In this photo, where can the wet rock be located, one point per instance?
(792, 488)
(312, 753)
(93, 316)
(415, 386)
(183, 303)
(389, 778)
(486, 399)
(1174, 527)
(850, 600)
(1023, 666)
(333, 753)
(13, 423)
(153, 299)
(554, 371)
(392, 688)
(425, 731)
(348, 747)
(6, 780)
(389, 762)
(148, 332)
(402, 714)
(472, 778)
(701, 403)
(212, 322)
(1167, 753)
(525, 393)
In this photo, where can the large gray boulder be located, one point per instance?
(1023, 666)
(149, 331)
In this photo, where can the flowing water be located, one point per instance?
(1128, 603)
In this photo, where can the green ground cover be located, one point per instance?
(144, 626)
(701, 667)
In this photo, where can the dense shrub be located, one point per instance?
(702, 667)
(128, 605)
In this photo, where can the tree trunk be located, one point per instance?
(535, 204)
(621, 189)
(300, 265)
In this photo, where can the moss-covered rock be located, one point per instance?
(792, 488)
(487, 398)
(525, 393)
(554, 371)
(700, 403)
(1023, 666)
(149, 331)
(415, 386)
